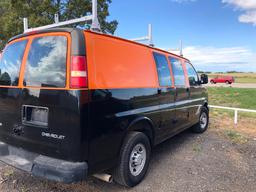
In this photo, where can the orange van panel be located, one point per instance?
(113, 63)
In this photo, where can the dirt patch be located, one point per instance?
(187, 162)
(225, 122)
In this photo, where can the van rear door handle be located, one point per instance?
(35, 115)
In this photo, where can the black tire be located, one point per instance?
(122, 174)
(227, 82)
(202, 127)
(212, 82)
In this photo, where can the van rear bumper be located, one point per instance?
(43, 166)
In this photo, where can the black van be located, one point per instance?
(75, 103)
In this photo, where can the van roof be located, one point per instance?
(69, 30)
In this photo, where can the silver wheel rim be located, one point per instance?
(203, 120)
(137, 159)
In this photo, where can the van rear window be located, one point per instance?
(46, 63)
(10, 63)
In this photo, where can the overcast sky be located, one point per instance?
(218, 35)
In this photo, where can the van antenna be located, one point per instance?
(95, 26)
(148, 38)
(180, 49)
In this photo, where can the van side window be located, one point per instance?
(10, 63)
(192, 75)
(46, 64)
(164, 74)
(178, 72)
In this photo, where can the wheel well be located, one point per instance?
(206, 106)
(144, 126)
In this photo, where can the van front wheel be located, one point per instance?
(134, 160)
(203, 123)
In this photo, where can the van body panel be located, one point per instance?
(168, 113)
(112, 61)
(198, 95)
(182, 107)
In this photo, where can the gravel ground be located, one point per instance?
(187, 162)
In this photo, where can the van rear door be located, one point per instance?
(37, 110)
(10, 64)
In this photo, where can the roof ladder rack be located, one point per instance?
(180, 49)
(94, 18)
(148, 38)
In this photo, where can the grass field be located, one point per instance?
(239, 77)
(232, 97)
(224, 119)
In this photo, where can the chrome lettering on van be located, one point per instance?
(54, 136)
(1, 124)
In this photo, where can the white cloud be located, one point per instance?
(248, 17)
(248, 6)
(221, 59)
(242, 4)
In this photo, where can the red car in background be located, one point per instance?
(223, 79)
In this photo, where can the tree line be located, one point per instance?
(41, 12)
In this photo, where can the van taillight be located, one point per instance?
(79, 72)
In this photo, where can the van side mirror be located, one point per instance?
(204, 79)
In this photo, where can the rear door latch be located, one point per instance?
(35, 116)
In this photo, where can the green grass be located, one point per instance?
(235, 137)
(232, 97)
(245, 80)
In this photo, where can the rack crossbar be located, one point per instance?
(148, 38)
(93, 18)
(69, 22)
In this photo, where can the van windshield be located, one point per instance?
(10, 63)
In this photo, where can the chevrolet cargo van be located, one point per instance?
(75, 103)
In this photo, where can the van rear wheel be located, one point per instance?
(134, 160)
(203, 123)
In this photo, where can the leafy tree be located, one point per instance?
(41, 12)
